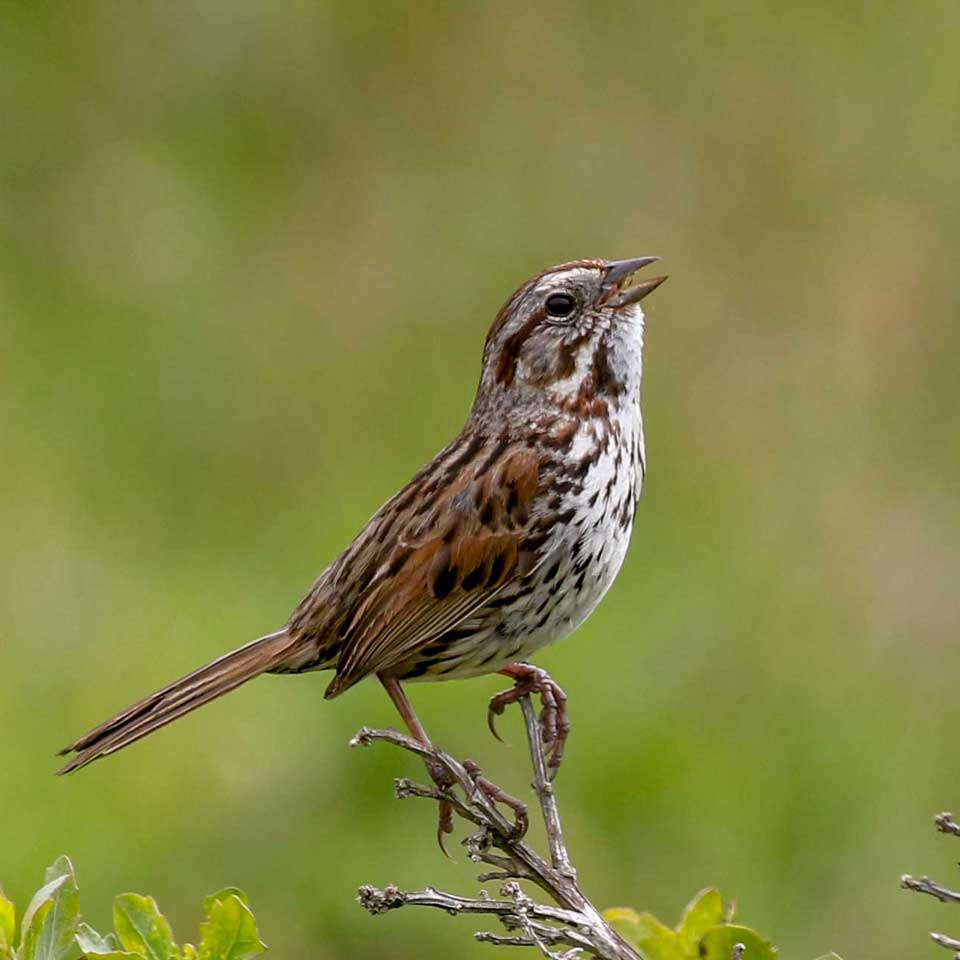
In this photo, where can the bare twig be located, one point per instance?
(946, 941)
(926, 885)
(573, 922)
(945, 824)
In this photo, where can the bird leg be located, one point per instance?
(554, 719)
(440, 777)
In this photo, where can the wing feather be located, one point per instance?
(445, 566)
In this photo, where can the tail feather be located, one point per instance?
(180, 697)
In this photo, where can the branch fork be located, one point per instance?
(571, 922)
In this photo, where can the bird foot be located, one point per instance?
(554, 719)
(521, 818)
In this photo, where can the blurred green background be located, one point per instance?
(248, 256)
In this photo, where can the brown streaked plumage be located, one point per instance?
(506, 541)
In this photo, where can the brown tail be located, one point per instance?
(180, 697)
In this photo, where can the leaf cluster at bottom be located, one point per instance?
(51, 928)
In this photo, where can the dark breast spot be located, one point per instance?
(542, 622)
(493, 654)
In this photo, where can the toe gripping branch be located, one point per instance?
(570, 923)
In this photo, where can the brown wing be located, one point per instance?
(459, 537)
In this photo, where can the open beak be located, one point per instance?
(615, 275)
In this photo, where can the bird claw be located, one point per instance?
(495, 710)
(444, 826)
(554, 719)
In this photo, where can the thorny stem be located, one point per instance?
(573, 924)
(945, 824)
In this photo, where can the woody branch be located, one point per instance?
(570, 922)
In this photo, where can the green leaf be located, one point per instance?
(189, 952)
(704, 911)
(30, 932)
(223, 894)
(92, 944)
(625, 920)
(51, 919)
(89, 941)
(142, 928)
(718, 943)
(55, 941)
(645, 932)
(230, 932)
(8, 923)
(43, 895)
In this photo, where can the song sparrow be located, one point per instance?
(503, 543)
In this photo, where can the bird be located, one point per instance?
(503, 543)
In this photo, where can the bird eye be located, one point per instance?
(560, 305)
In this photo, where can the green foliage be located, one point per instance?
(47, 929)
(229, 931)
(51, 928)
(705, 932)
(8, 923)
